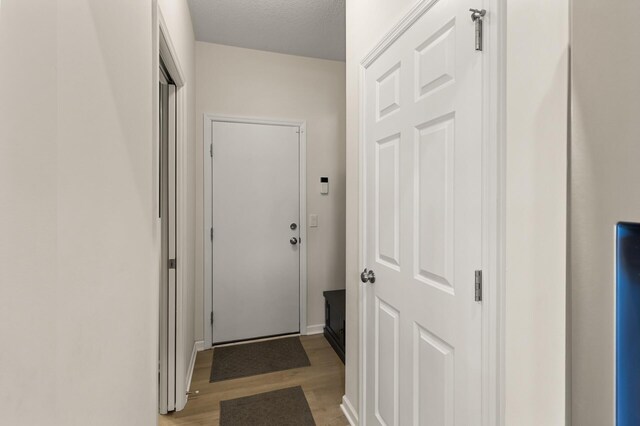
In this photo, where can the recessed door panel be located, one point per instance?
(433, 390)
(433, 208)
(388, 92)
(388, 201)
(435, 60)
(386, 376)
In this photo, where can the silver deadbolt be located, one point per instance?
(293, 226)
(293, 241)
(368, 276)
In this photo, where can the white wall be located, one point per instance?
(535, 199)
(79, 271)
(605, 150)
(29, 213)
(79, 247)
(178, 20)
(536, 194)
(251, 83)
(106, 250)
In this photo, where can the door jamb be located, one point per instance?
(494, 207)
(207, 138)
(164, 48)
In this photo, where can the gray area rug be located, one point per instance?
(284, 407)
(250, 359)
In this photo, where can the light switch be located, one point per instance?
(313, 221)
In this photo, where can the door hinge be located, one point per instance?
(477, 15)
(478, 286)
(211, 234)
(211, 150)
(172, 264)
(211, 318)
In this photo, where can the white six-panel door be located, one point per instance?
(422, 116)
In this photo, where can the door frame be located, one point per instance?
(164, 48)
(493, 203)
(208, 276)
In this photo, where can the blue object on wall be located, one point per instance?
(627, 324)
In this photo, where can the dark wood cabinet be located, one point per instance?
(334, 324)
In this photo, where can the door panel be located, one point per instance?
(167, 136)
(386, 363)
(433, 203)
(387, 198)
(433, 365)
(256, 269)
(171, 245)
(435, 61)
(423, 173)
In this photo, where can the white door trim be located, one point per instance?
(166, 50)
(493, 182)
(208, 120)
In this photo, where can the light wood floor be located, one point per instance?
(322, 382)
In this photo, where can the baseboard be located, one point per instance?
(315, 329)
(349, 411)
(192, 364)
(199, 345)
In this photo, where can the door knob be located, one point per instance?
(368, 276)
(293, 241)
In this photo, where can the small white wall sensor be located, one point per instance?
(324, 185)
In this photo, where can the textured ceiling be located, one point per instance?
(314, 28)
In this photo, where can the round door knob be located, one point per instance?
(368, 276)
(293, 241)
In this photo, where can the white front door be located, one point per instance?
(256, 222)
(423, 181)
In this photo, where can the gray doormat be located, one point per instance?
(250, 359)
(284, 407)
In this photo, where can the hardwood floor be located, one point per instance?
(322, 382)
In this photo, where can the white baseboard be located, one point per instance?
(192, 364)
(199, 345)
(315, 329)
(349, 411)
